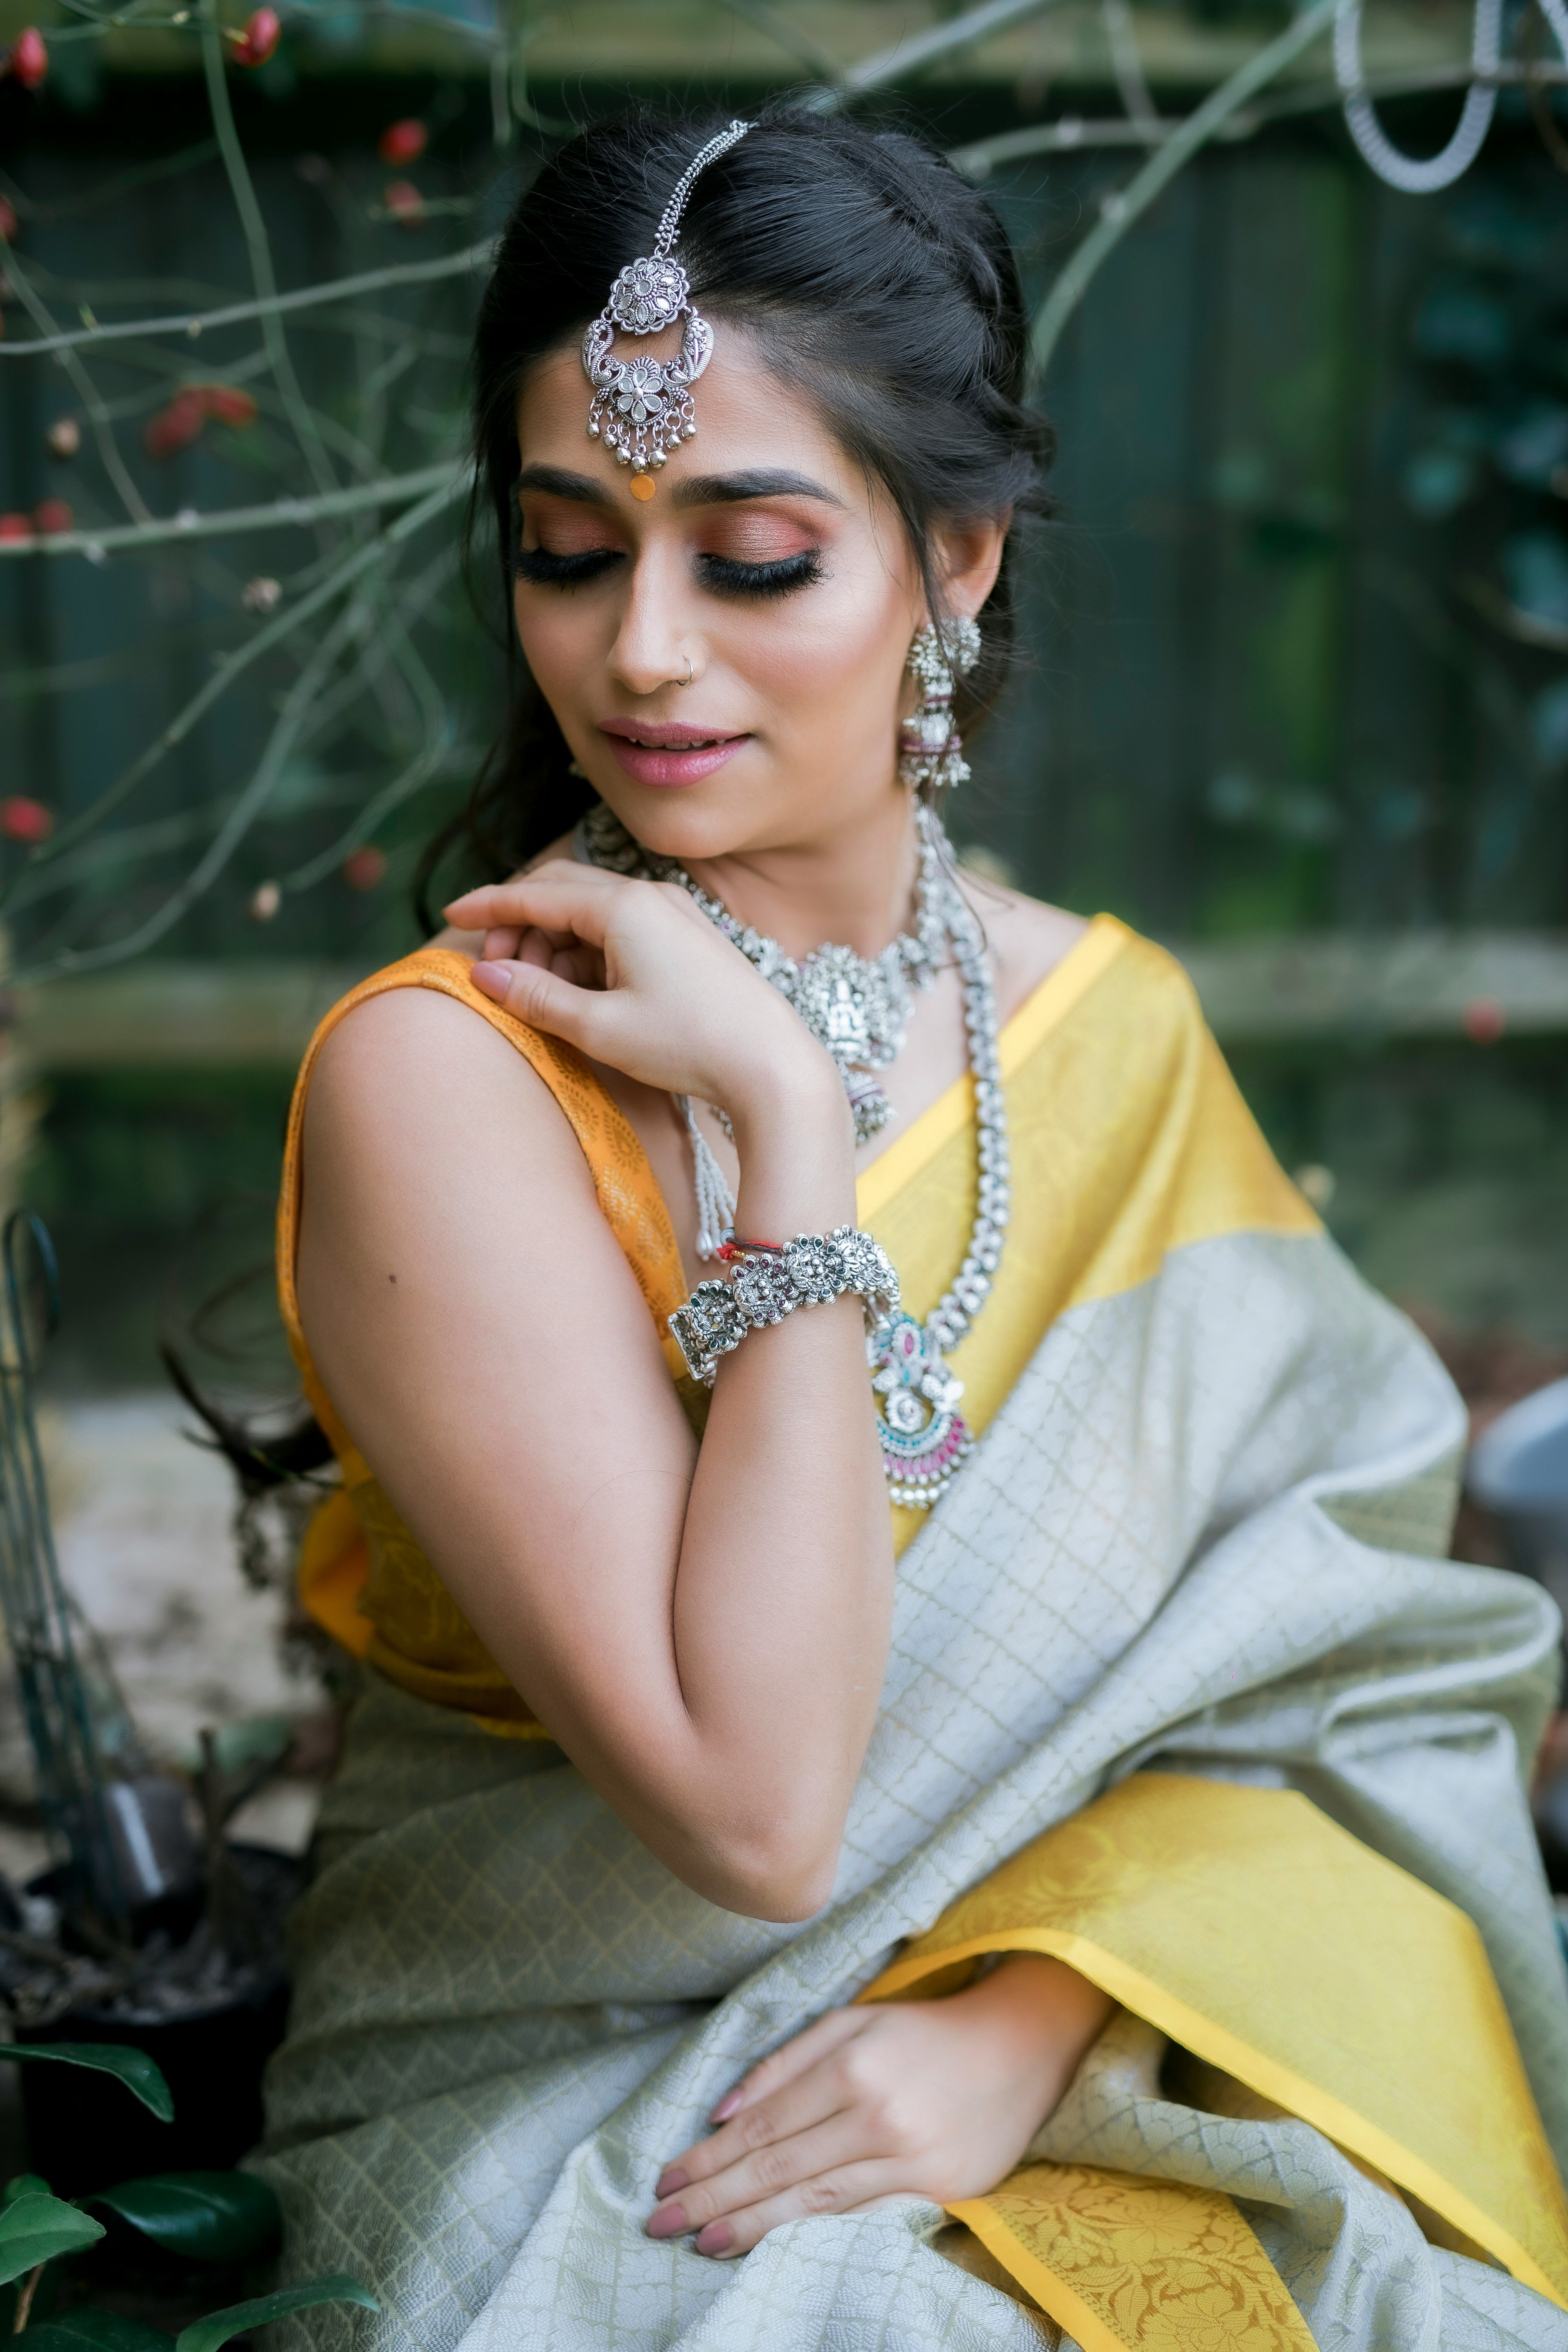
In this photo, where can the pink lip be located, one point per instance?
(666, 755)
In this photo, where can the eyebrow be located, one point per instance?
(703, 490)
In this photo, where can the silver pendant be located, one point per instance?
(924, 1436)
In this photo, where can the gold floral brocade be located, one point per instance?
(1262, 1937)
(1125, 2264)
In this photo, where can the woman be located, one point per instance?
(1021, 1591)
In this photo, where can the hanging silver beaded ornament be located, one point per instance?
(931, 748)
(642, 409)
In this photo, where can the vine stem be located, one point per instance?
(375, 550)
(228, 520)
(254, 227)
(24, 2300)
(82, 384)
(194, 323)
(1157, 173)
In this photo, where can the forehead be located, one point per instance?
(747, 422)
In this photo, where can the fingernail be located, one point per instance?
(670, 2180)
(493, 979)
(714, 2239)
(725, 2108)
(669, 2221)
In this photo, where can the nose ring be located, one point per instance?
(690, 673)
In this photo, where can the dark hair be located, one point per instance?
(878, 282)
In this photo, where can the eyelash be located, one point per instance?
(723, 574)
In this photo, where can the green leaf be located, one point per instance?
(133, 2067)
(97, 2331)
(35, 2229)
(27, 2184)
(218, 2217)
(206, 2334)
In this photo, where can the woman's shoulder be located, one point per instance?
(1032, 940)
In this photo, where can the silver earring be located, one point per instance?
(931, 748)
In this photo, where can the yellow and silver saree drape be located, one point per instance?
(1179, 1690)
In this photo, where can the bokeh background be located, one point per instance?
(1294, 688)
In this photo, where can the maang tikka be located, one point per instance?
(643, 409)
(931, 748)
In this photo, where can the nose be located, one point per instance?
(654, 645)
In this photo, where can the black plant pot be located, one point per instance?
(86, 2131)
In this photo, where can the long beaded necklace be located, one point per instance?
(858, 1008)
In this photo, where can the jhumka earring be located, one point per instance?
(643, 409)
(931, 748)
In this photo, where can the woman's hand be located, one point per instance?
(634, 976)
(935, 2098)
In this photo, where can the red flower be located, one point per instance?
(52, 514)
(1484, 1020)
(25, 820)
(260, 39)
(15, 526)
(365, 868)
(227, 403)
(7, 222)
(177, 425)
(28, 60)
(404, 203)
(400, 142)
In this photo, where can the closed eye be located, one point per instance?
(726, 575)
(542, 570)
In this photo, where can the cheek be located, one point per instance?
(558, 635)
(835, 649)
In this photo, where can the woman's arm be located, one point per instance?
(704, 1633)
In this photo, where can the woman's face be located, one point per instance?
(765, 567)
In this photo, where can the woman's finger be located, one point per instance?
(558, 896)
(838, 2191)
(767, 2171)
(534, 993)
(787, 2105)
(500, 946)
(792, 2058)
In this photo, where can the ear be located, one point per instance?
(969, 556)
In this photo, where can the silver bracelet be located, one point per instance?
(771, 1280)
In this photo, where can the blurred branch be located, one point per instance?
(793, 39)
(447, 478)
(923, 49)
(304, 298)
(376, 551)
(1120, 210)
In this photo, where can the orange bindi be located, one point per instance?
(642, 486)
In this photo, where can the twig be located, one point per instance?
(1120, 210)
(229, 521)
(303, 297)
(261, 251)
(342, 576)
(24, 2300)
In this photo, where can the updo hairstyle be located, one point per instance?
(874, 281)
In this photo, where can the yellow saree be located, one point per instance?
(1306, 1972)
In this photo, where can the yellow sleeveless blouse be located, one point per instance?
(1127, 1137)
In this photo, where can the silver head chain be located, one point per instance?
(642, 409)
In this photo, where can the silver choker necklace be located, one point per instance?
(857, 1007)
(859, 1010)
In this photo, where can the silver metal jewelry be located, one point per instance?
(690, 673)
(924, 1436)
(931, 748)
(858, 1008)
(715, 1201)
(642, 409)
(769, 1283)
